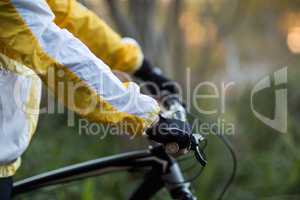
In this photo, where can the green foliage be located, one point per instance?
(268, 161)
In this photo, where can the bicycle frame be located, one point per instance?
(163, 172)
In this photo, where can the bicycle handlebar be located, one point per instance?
(166, 172)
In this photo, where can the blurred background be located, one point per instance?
(220, 41)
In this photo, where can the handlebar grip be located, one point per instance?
(174, 110)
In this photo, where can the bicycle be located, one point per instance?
(163, 170)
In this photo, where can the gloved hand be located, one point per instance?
(167, 131)
(148, 73)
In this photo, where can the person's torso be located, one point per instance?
(20, 91)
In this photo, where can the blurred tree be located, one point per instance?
(245, 39)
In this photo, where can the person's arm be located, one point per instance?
(118, 53)
(29, 36)
(122, 54)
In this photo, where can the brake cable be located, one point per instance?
(234, 165)
(229, 147)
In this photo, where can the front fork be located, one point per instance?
(174, 182)
(159, 177)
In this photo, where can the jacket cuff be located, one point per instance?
(139, 57)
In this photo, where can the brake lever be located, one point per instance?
(199, 154)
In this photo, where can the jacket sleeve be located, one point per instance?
(122, 54)
(76, 76)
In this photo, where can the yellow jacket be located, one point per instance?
(61, 43)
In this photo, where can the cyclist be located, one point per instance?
(60, 42)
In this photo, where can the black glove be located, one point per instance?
(148, 73)
(171, 130)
